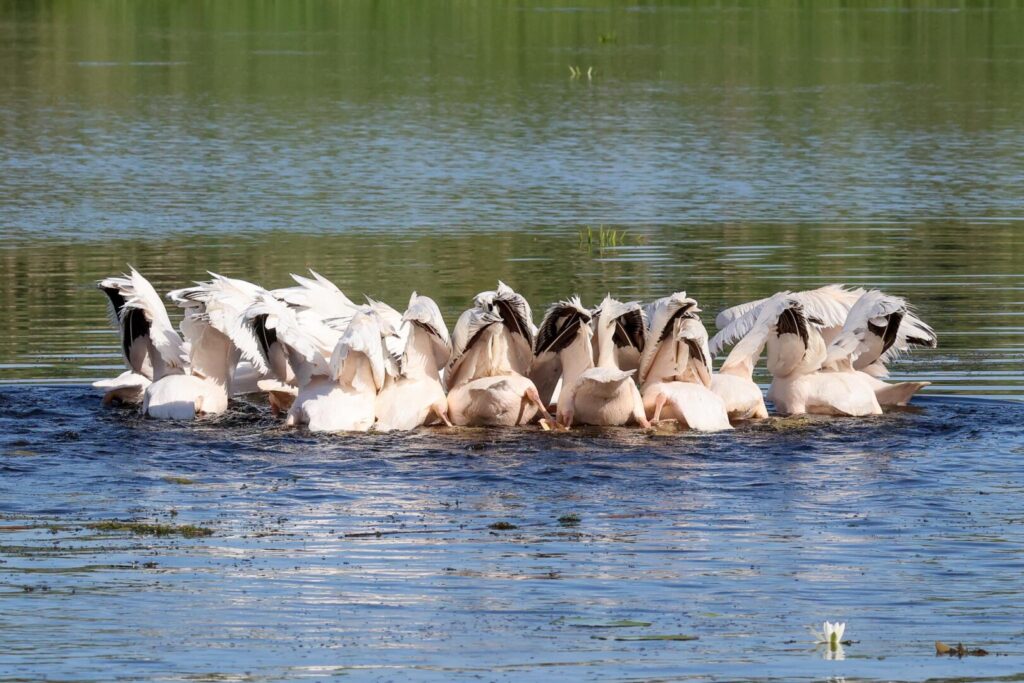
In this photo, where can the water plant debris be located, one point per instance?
(586, 622)
(959, 651)
(667, 636)
(147, 529)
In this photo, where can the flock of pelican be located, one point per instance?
(334, 365)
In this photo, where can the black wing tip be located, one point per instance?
(793, 321)
(929, 343)
(555, 336)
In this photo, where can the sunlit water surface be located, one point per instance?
(742, 148)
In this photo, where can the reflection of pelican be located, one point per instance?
(492, 352)
(871, 327)
(601, 394)
(675, 368)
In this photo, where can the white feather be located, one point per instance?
(468, 331)
(424, 313)
(662, 313)
(321, 296)
(361, 342)
(830, 304)
(309, 341)
(169, 353)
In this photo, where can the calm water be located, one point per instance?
(744, 148)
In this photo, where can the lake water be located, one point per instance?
(742, 147)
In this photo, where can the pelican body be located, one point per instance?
(675, 372)
(416, 397)
(492, 353)
(601, 394)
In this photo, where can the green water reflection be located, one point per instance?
(438, 146)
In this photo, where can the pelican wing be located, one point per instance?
(394, 333)
(878, 327)
(321, 296)
(748, 349)
(468, 329)
(423, 313)
(169, 354)
(829, 305)
(557, 330)
(131, 323)
(220, 304)
(196, 331)
(730, 315)
(560, 325)
(361, 337)
(212, 314)
(113, 287)
(308, 341)
(663, 314)
(912, 332)
(518, 318)
(691, 332)
(630, 322)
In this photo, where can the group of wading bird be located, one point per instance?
(334, 365)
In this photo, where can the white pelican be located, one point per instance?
(319, 308)
(134, 326)
(337, 374)
(131, 323)
(833, 306)
(189, 377)
(796, 351)
(829, 304)
(734, 383)
(492, 352)
(877, 329)
(415, 396)
(345, 400)
(601, 394)
(675, 373)
(212, 310)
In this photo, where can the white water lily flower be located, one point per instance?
(830, 635)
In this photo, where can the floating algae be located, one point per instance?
(147, 529)
(584, 622)
(667, 636)
(959, 651)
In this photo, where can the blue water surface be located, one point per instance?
(383, 557)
